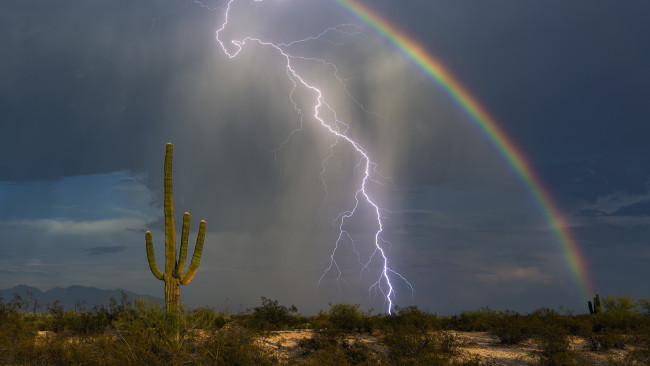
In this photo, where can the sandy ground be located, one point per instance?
(484, 345)
(284, 344)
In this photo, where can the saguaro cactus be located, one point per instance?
(173, 276)
(597, 307)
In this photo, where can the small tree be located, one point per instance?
(35, 304)
(620, 305)
(272, 316)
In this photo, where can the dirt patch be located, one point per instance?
(484, 346)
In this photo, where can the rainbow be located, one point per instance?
(488, 125)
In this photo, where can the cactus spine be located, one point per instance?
(173, 276)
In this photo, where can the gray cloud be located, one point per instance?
(641, 208)
(106, 250)
(93, 90)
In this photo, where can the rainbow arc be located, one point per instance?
(506, 147)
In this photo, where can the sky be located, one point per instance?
(91, 91)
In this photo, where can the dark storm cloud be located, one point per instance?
(581, 66)
(638, 209)
(84, 83)
(590, 178)
(93, 90)
(105, 250)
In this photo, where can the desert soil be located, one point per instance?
(484, 345)
(284, 344)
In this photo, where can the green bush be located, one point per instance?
(348, 318)
(555, 345)
(16, 337)
(640, 355)
(412, 319)
(204, 318)
(511, 328)
(234, 345)
(325, 349)
(620, 305)
(420, 348)
(473, 321)
(271, 316)
(143, 333)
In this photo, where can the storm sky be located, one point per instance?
(90, 92)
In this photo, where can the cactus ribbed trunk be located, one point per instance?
(172, 293)
(172, 285)
(173, 276)
(597, 307)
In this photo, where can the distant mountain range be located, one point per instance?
(69, 297)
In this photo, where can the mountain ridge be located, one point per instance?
(73, 297)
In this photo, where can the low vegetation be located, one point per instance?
(125, 333)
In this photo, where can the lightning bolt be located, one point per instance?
(339, 130)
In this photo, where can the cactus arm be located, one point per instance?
(196, 258)
(597, 307)
(151, 257)
(183, 254)
(170, 233)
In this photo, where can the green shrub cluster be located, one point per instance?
(125, 334)
(331, 343)
(142, 333)
(270, 316)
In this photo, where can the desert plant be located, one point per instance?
(555, 344)
(348, 318)
(511, 328)
(173, 276)
(271, 316)
(204, 318)
(419, 348)
(234, 345)
(411, 318)
(644, 304)
(597, 307)
(620, 305)
(473, 320)
(324, 351)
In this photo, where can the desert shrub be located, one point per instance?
(511, 328)
(234, 345)
(579, 325)
(345, 318)
(204, 318)
(270, 316)
(640, 355)
(620, 305)
(412, 319)
(16, 337)
(611, 329)
(143, 315)
(76, 323)
(321, 350)
(473, 321)
(420, 348)
(410, 338)
(605, 340)
(555, 345)
(331, 344)
(61, 349)
(644, 304)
